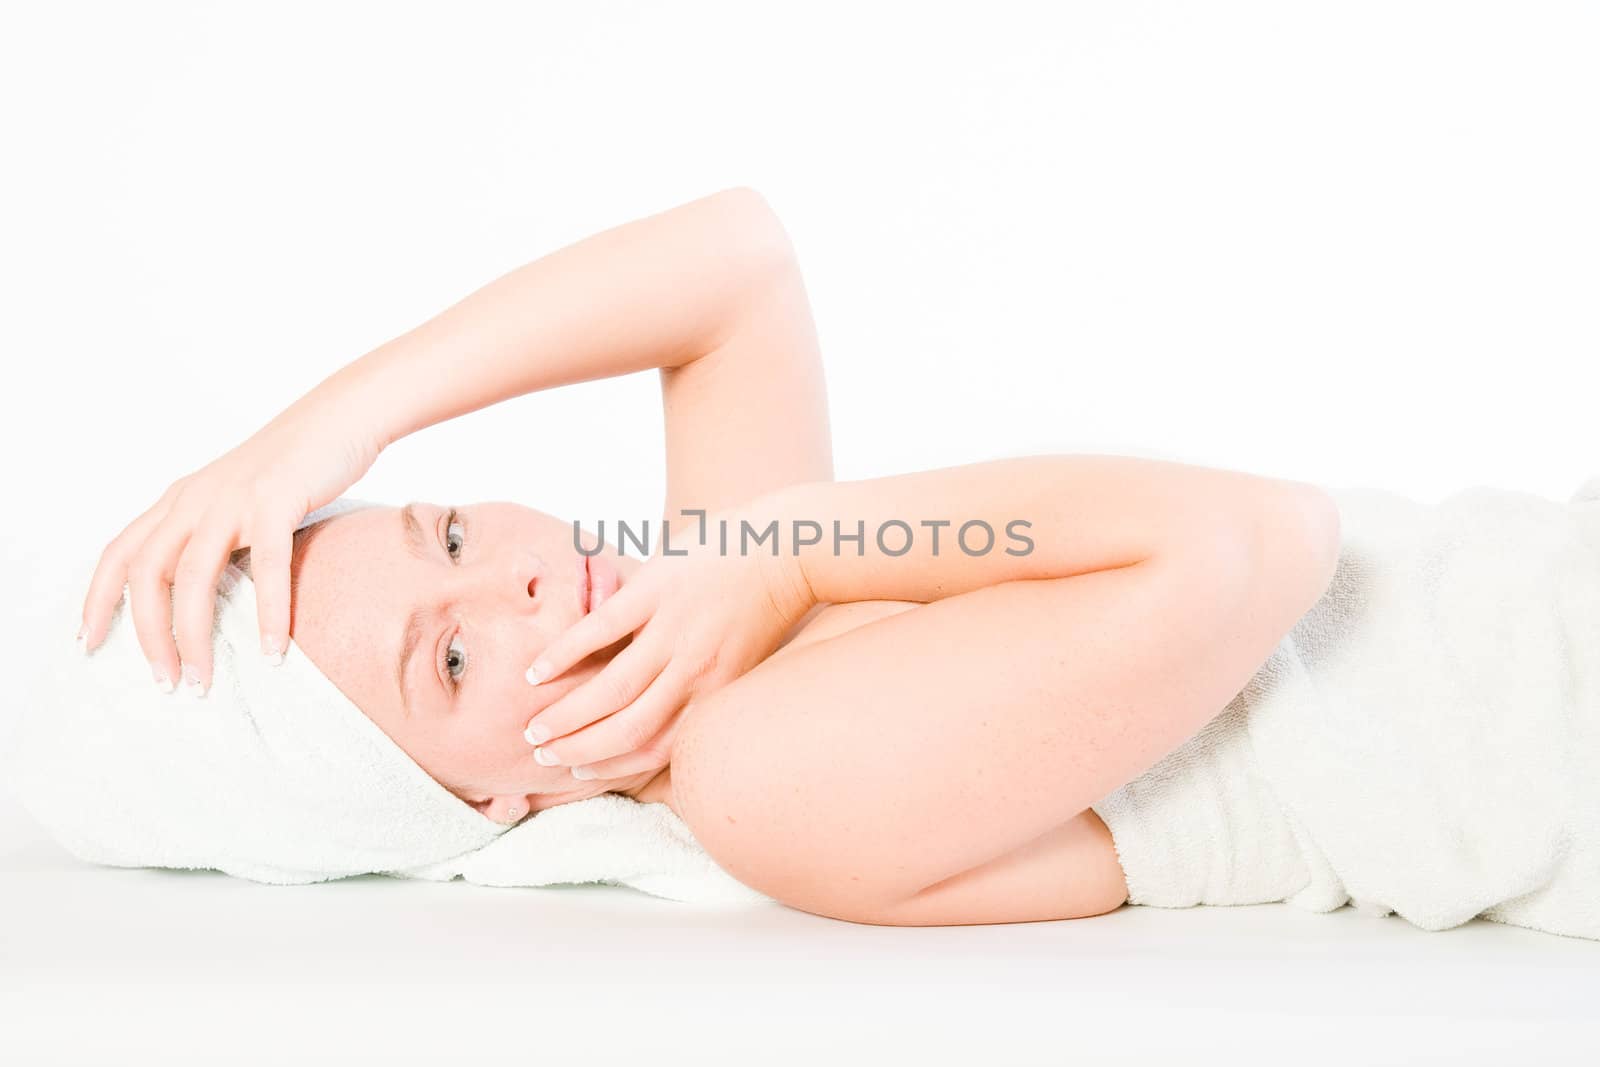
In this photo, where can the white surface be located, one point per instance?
(104, 965)
(1350, 243)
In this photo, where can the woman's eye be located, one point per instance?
(455, 657)
(452, 543)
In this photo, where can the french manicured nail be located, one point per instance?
(545, 758)
(191, 682)
(537, 733)
(163, 681)
(583, 773)
(272, 651)
(537, 672)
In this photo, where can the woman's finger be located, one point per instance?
(105, 589)
(194, 602)
(624, 612)
(616, 686)
(150, 599)
(654, 755)
(111, 576)
(645, 759)
(630, 729)
(271, 548)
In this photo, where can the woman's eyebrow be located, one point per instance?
(408, 646)
(412, 527)
(414, 539)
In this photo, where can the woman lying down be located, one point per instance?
(1024, 689)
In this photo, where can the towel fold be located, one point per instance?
(1424, 742)
(608, 839)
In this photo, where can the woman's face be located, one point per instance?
(491, 584)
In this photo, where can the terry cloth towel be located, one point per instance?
(1424, 742)
(276, 776)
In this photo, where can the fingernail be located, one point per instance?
(545, 758)
(270, 649)
(163, 682)
(583, 773)
(537, 672)
(191, 682)
(83, 645)
(537, 733)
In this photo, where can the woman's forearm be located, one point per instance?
(1035, 517)
(653, 292)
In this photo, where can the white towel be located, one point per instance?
(1424, 742)
(609, 839)
(276, 776)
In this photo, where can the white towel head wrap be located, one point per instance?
(274, 775)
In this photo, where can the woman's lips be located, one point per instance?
(584, 585)
(603, 580)
(597, 580)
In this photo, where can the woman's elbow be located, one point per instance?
(1298, 545)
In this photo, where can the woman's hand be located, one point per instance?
(172, 556)
(699, 619)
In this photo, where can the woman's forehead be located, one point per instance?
(354, 561)
(354, 580)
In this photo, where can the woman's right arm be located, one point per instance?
(656, 292)
(661, 291)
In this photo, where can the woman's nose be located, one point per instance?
(518, 577)
(527, 574)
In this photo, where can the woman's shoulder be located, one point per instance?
(758, 740)
(822, 622)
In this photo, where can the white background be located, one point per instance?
(1353, 243)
